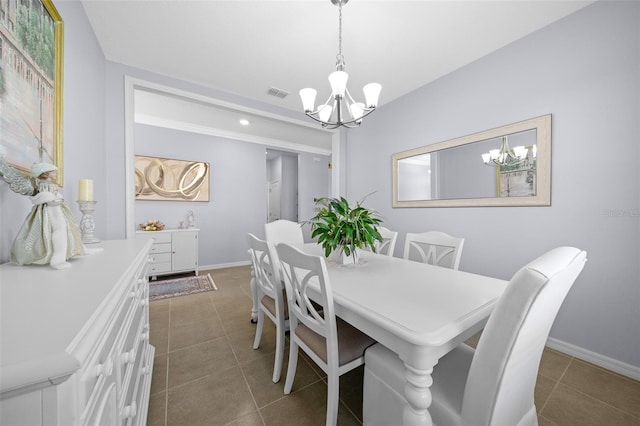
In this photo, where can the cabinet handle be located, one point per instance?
(144, 336)
(130, 411)
(105, 369)
(128, 357)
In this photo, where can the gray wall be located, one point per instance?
(238, 200)
(585, 71)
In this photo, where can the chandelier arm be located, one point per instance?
(349, 96)
(335, 124)
(317, 111)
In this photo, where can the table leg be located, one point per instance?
(254, 297)
(418, 396)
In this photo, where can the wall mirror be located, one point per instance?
(505, 166)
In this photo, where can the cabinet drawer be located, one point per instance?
(103, 406)
(159, 268)
(160, 248)
(130, 348)
(102, 364)
(160, 258)
(161, 237)
(136, 398)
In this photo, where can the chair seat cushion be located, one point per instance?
(351, 341)
(270, 304)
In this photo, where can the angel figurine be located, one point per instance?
(49, 234)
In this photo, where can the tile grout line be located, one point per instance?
(235, 355)
(166, 383)
(555, 386)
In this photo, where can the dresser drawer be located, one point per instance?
(161, 237)
(102, 409)
(134, 409)
(160, 258)
(131, 345)
(160, 248)
(102, 362)
(159, 268)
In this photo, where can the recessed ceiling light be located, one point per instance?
(244, 121)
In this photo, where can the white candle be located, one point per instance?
(85, 190)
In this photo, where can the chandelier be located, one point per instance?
(340, 109)
(505, 156)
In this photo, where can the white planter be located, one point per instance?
(340, 258)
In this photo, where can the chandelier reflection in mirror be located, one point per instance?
(340, 109)
(505, 156)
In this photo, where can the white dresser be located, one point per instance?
(173, 251)
(75, 342)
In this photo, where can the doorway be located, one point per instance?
(282, 185)
(273, 198)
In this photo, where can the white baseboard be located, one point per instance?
(614, 365)
(224, 265)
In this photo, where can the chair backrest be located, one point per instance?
(298, 271)
(501, 382)
(283, 231)
(388, 244)
(435, 248)
(266, 267)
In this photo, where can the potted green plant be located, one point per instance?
(342, 229)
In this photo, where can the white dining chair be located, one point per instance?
(270, 294)
(333, 344)
(283, 231)
(494, 384)
(388, 243)
(435, 248)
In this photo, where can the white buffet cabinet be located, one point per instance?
(173, 251)
(75, 342)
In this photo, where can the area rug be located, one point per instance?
(163, 289)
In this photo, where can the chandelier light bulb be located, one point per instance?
(520, 152)
(357, 110)
(371, 94)
(308, 96)
(338, 82)
(324, 112)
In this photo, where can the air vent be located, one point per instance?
(278, 93)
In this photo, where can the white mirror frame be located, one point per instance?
(542, 125)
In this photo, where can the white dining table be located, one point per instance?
(419, 311)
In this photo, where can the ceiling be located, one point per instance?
(246, 47)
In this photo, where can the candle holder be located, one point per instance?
(86, 223)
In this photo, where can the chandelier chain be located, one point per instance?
(339, 57)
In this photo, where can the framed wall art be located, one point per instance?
(31, 73)
(518, 179)
(164, 179)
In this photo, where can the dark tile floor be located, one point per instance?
(207, 373)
